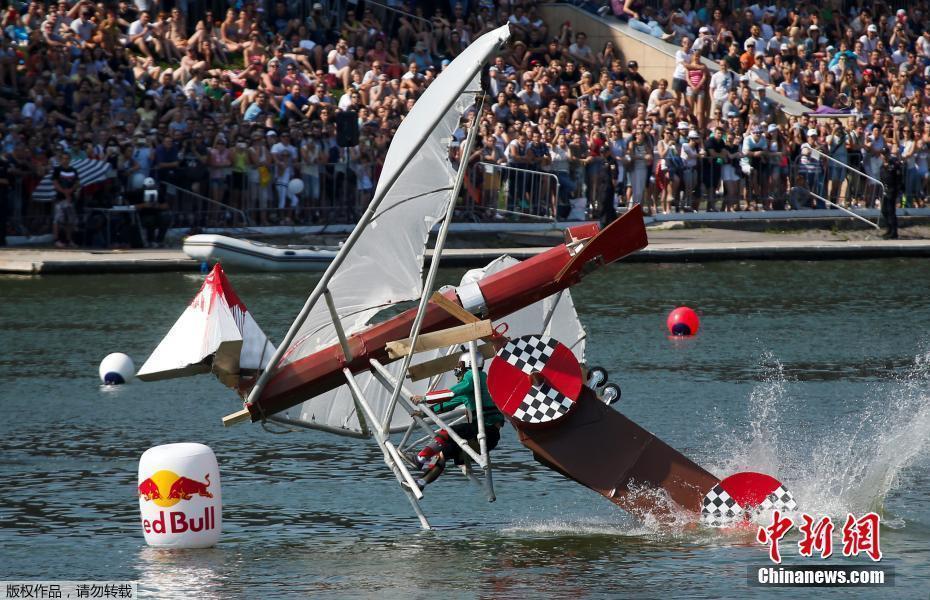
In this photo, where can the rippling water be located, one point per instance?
(818, 373)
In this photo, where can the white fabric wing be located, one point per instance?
(384, 267)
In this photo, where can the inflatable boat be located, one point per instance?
(257, 256)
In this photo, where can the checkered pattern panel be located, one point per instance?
(542, 404)
(529, 353)
(720, 510)
(781, 500)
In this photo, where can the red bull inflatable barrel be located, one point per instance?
(179, 496)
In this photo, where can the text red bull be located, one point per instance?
(178, 522)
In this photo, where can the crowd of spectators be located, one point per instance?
(235, 103)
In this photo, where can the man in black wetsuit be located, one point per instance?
(893, 178)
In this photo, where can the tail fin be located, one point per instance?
(216, 333)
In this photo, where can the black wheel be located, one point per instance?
(597, 377)
(610, 393)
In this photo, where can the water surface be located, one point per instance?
(818, 373)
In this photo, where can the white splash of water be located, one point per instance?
(847, 463)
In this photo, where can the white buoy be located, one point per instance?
(179, 496)
(116, 368)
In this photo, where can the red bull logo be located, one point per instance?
(165, 489)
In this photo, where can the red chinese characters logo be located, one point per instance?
(859, 536)
(817, 536)
(772, 534)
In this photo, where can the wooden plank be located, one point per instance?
(444, 363)
(441, 339)
(237, 417)
(452, 308)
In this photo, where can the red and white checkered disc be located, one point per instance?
(555, 370)
(741, 496)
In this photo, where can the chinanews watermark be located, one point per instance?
(859, 537)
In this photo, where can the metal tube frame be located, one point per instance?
(434, 262)
(432, 416)
(323, 283)
(388, 381)
(391, 455)
(337, 323)
(479, 415)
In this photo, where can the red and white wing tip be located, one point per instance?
(217, 284)
(735, 500)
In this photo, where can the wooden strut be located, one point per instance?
(444, 364)
(239, 416)
(453, 309)
(441, 339)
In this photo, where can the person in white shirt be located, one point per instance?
(529, 96)
(777, 40)
(340, 63)
(721, 83)
(500, 73)
(284, 156)
(83, 27)
(704, 43)
(680, 75)
(922, 45)
(141, 36)
(790, 88)
(870, 39)
(581, 51)
(759, 73)
(899, 55)
(661, 101)
(690, 152)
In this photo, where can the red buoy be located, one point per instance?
(683, 321)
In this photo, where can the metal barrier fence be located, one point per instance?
(499, 191)
(192, 209)
(833, 180)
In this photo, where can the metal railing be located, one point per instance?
(196, 210)
(494, 192)
(828, 178)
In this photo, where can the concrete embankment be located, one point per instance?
(667, 243)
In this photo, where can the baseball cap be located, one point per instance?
(694, 135)
(813, 27)
(704, 30)
(811, 132)
(772, 127)
(805, 146)
(750, 43)
(759, 53)
(684, 125)
(632, 64)
(271, 133)
(784, 47)
(872, 27)
(445, 61)
(901, 12)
